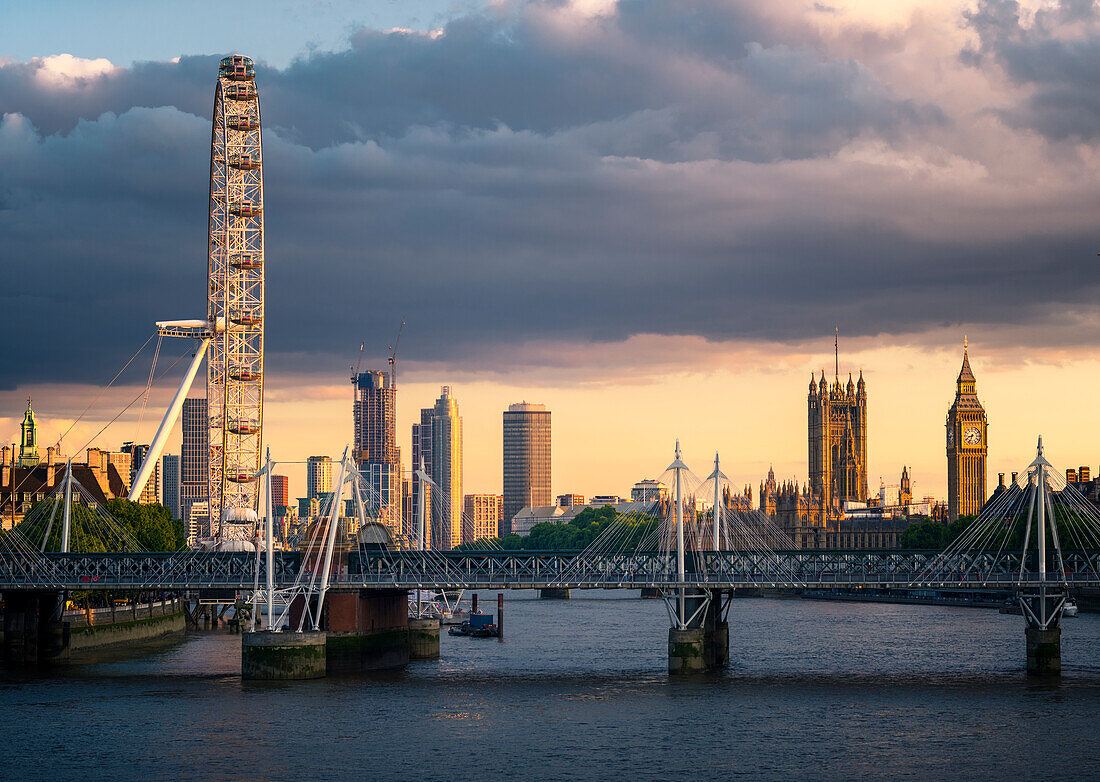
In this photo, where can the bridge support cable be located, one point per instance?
(169, 422)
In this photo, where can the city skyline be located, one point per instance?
(770, 238)
(907, 426)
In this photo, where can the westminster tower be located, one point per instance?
(967, 446)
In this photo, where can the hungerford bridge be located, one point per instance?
(1039, 540)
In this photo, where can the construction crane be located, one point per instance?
(359, 363)
(393, 356)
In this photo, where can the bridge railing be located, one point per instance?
(519, 569)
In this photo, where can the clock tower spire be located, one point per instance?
(967, 445)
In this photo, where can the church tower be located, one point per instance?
(28, 439)
(967, 446)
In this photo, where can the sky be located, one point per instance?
(649, 216)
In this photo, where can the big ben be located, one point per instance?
(967, 446)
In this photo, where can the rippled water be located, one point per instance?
(578, 690)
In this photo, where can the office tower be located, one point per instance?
(481, 516)
(526, 458)
(438, 440)
(648, 490)
(170, 487)
(280, 491)
(421, 454)
(318, 476)
(967, 446)
(194, 458)
(376, 453)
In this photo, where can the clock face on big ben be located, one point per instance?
(972, 435)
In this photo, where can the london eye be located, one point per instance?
(235, 300)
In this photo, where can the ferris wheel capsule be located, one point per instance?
(246, 318)
(238, 68)
(244, 162)
(243, 375)
(246, 261)
(242, 122)
(244, 427)
(245, 209)
(241, 91)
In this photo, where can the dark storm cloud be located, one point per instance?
(519, 177)
(1057, 56)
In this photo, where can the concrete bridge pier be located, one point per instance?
(423, 638)
(553, 593)
(365, 629)
(1044, 651)
(273, 656)
(705, 644)
(1043, 635)
(716, 632)
(34, 632)
(687, 645)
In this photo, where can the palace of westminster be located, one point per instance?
(835, 509)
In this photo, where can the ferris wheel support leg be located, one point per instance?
(166, 425)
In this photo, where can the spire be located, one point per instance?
(836, 351)
(851, 386)
(813, 386)
(965, 380)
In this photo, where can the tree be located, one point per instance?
(577, 533)
(152, 525)
(934, 535)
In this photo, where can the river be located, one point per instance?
(578, 690)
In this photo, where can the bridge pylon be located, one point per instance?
(1042, 605)
(699, 637)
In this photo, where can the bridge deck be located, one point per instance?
(540, 569)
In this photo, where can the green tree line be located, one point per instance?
(575, 534)
(152, 526)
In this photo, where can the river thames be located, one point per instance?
(578, 690)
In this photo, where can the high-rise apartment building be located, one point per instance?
(438, 440)
(194, 459)
(967, 446)
(526, 458)
(376, 453)
(123, 462)
(481, 517)
(170, 483)
(318, 476)
(569, 500)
